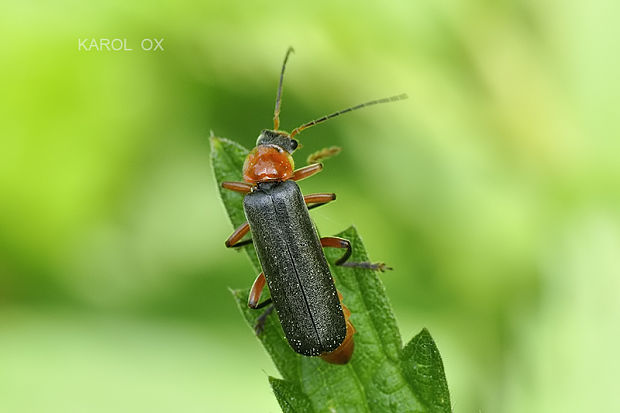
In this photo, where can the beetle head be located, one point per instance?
(277, 138)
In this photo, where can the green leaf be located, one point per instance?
(381, 376)
(289, 396)
(422, 366)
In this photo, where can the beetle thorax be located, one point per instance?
(268, 163)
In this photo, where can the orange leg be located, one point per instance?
(318, 199)
(233, 240)
(336, 242)
(254, 297)
(306, 171)
(242, 187)
(323, 154)
(256, 291)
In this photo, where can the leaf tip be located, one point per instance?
(425, 334)
(215, 142)
(423, 368)
(290, 396)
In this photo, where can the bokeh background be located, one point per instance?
(493, 192)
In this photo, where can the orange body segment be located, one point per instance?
(344, 352)
(267, 163)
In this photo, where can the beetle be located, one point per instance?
(313, 317)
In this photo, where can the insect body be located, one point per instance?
(299, 279)
(314, 320)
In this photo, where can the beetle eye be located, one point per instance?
(294, 144)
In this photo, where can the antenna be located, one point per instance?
(276, 112)
(340, 112)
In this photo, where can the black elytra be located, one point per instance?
(297, 273)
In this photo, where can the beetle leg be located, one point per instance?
(336, 242)
(323, 154)
(255, 293)
(260, 321)
(242, 187)
(318, 200)
(234, 241)
(306, 171)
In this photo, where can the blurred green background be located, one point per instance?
(493, 192)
